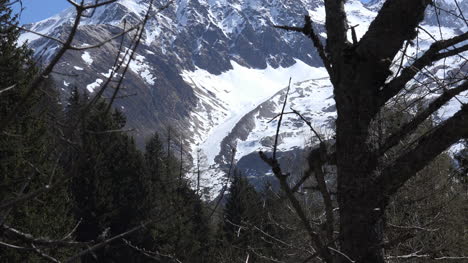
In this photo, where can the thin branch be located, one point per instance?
(461, 12)
(14, 246)
(275, 145)
(426, 148)
(414, 228)
(96, 5)
(67, 236)
(308, 124)
(315, 238)
(44, 255)
(42, 241)
(431, 55)
(278, 115)
(308, 30)
(150, 254)
(110, 131)
(231, 166)
(421, 117)
(100, 44)
(402, 57)
(343, 254)
(137, 43)
(107, 241)
(317, 164)
(37, 33)
(7, 88)
(416, 255)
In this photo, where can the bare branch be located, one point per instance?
(316, 164)
(73, 3)
(422, 116)
(100, 44)
(96, 5)
(315, 238)
(353, 34)
(137, 43)
(42, 241)
(7, 88)
(308, 124)
(275, 145)
(37, 33)
(44, 255)
(431, 55)
(416, 255)
(343, 254)
(110, 131)
(150, 254)
(461, 12)
(308, 30)
(425, 150)
(107, 241)
(14, 246)
(223, 191)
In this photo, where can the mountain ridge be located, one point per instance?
(205, 66)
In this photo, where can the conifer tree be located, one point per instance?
(28, 154)
(107, 183)
(241, 216)
(181, 230)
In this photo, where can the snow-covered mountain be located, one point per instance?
(216, 70)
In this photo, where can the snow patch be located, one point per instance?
(87, 58)
(141, 67)
(91, 87)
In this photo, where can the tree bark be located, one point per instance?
(359, 72)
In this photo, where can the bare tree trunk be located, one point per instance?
(361, 211)
(361, 214)
(363, 82)
(361, 235)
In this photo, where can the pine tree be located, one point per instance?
(107, 185)
(28, 153)
(241, 218)
(427, 214)
(182, 229)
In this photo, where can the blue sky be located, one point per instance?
(36, 10)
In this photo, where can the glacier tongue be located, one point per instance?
(226, 98)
